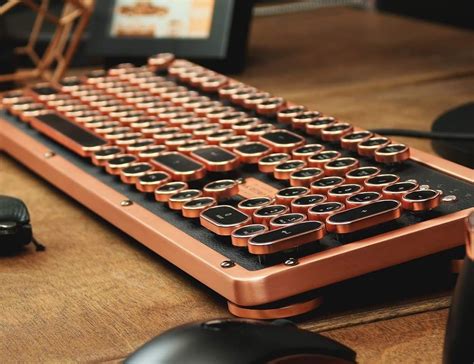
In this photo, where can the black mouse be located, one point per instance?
(240, 341)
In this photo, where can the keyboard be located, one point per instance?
(264, 201)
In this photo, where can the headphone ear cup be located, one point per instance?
(14, 212)
(13, 243)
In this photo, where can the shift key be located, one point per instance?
(68, 134)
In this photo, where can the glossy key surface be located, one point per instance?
(286, 237)
(223, 219)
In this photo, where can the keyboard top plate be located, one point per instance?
(409, 170)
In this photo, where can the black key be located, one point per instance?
(250, 205)
(321, 211)
(421, 200)
(164, 192)
(286, 219)
(223, 219)
(68, 134)
(363, 216)
(286, 195)
(176, 201)
(181, 167)
(320, 159)
(324, 184)
(397, 190)
(286, 238)
(241, 236)
(251, 152)
(307, 151)
(340, 193)
(380, 181)
(152, 152)
(282, 140)
(263, 215)
(194, 207)
(303, 203)
(216, 159)
(268, 163)
(362, 198)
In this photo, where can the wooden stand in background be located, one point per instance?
(70, 26)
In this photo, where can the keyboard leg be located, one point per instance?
(289, 307)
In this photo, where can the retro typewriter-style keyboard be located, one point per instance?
(267, 199)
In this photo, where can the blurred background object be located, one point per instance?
(47, 57)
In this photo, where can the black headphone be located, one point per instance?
(15, 227)
(459, 340)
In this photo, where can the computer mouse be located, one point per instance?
(241, 341)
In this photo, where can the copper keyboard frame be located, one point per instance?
(238, 285)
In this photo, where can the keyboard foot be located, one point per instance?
(290, 307)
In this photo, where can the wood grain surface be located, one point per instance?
(95, 294)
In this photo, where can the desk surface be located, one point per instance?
(96, 294)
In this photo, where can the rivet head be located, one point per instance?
(49, 154)
(291, 261)
(126, 203)
(227, 264)
(449, 198)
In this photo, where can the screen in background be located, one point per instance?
(162, 19)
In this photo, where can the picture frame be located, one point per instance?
(222, 48)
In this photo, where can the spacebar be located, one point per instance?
(67, 133)
(364, 216)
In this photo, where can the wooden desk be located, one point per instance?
(96, 295)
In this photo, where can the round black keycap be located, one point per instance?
(273, 158)
(308, 200)
(326, 155)
(287, 219)
(342, 162)
(328, 181)
(320, 122)
(122, 160)
(337, 127)
(255, 202)
(171, 186)
(307, 172)
(154, 177)
(270, 210)
(286, 166)
(137, 168)
(249, 230)
(219, 185)
(345, 189)
(363, 172)
(185, 195)
(107, 151)
(200, 202)
(381, 179)
(392, 148)
(292, 191)
(421, 195)
(363, 197)
(401, 187)
(374, 142)
(326, 207)
(357, 135)
(292, 110)
(308, 149)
